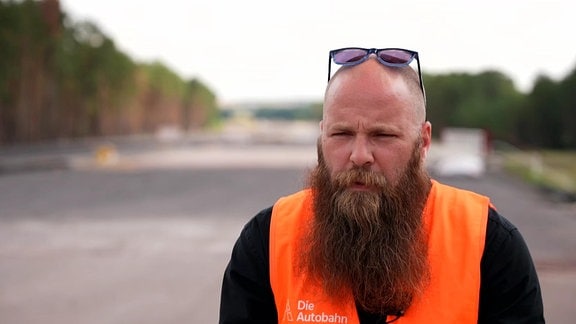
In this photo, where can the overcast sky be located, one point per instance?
(268, 49)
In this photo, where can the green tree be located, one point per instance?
(60, 78)
(541, 119)
(568, 110)
(487, 100)
(24, 43)
(200, 106)
(93, 75)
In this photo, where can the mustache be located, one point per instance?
(361, 176)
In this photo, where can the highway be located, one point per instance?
(144, 236)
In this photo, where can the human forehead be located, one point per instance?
(368, 100)
(370, 70)
(369, 81)
(374, 80)
(370, 119)
(370, 89)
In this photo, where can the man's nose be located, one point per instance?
(361, 154)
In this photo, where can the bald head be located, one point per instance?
(372, 79)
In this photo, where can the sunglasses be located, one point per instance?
(393, 57)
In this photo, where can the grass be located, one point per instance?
(552, 170)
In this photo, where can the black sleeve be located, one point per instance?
(509, 289)
(246, 293)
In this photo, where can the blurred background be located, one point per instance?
(137, 138)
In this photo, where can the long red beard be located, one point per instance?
(371, 244)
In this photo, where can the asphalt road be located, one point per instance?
(145, 239)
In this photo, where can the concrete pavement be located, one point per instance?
(145, 238)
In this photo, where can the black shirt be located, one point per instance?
(509, 290)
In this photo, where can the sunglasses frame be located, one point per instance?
(376, 52)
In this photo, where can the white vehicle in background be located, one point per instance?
(460, 152)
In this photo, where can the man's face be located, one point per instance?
(371, 121)
(370, 188)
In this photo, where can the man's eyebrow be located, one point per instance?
(386, 128)
(382, 127)
(371, 129)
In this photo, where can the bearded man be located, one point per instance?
(373, 239)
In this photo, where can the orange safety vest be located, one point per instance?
(456, 222)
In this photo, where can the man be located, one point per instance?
(374, 239)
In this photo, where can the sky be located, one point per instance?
(265, 50)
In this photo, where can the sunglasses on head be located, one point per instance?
(393, 57)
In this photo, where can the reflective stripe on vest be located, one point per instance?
(455, 220)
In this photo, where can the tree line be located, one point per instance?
(545, 117)
(63, 79)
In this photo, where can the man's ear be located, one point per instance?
(426, 133)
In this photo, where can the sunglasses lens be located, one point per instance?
(396, 56)
(350, 55)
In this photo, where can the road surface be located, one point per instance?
(145, 238)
